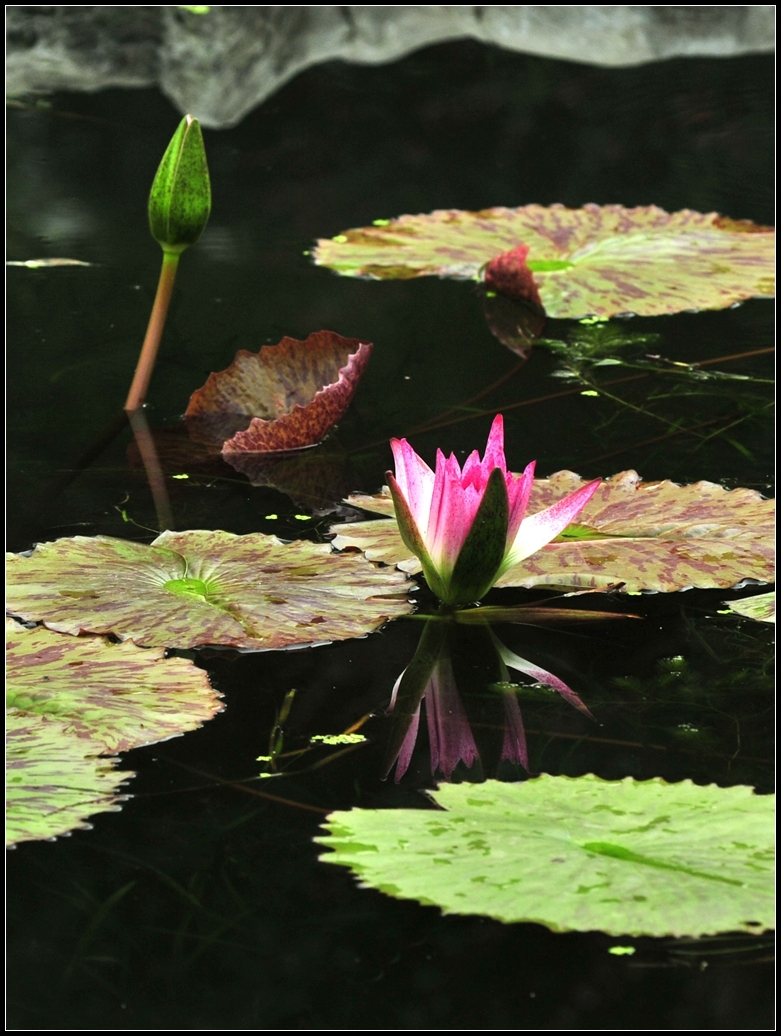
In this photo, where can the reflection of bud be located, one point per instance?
(180, 199)
(517, 323)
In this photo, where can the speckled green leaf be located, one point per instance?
(575, 854)
(595, 260)
(189, 589)
(647, 535)
(761, 607)
(68, 701)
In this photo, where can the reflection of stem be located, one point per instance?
(238, 786)
(596, 387)
(154, 474)
(473, 399)
(439, 422)
(662, 438)
(154, 332)
(674, 749)
(734, 424)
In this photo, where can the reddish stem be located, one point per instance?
(154, 332)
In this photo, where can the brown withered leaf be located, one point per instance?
(284, 397)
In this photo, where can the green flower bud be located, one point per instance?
(180, 200)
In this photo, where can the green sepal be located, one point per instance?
(481, 556)
(410, 534)
(180, 200)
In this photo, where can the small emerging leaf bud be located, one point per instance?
(180, 200)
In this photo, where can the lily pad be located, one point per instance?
(646, 535)
(285, 397)
(575, 854)
(190, 589)
(118, 695)
(69, 700)
(597, 260)
(761, 607)
(52, 786)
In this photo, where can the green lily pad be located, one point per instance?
(597, 260)
(646, 535)
(575, 854)
(70, 700)
(761, 607)
(189, 589)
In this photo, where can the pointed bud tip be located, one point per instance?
(180, 199)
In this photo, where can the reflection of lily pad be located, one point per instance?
(647, 535)
(761, 607)
(284, 397)
(189, 589)
(71, 699)
(625, 857)
(316, 477)
(595, 260)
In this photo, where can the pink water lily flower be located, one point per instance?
(468, 526)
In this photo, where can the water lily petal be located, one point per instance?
(472, 473)
(416, 481)
(494, 449)
(411, 535)
(518, 493)
(448, 524)
(539, 529)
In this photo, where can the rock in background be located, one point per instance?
(221, 63)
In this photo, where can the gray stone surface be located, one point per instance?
(220, 65)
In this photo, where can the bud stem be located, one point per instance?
(154, 333)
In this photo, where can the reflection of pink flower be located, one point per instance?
(449, 734)
(514, 745)
(467, 527)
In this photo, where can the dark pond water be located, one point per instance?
(198, 905)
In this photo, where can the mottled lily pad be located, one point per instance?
(189, 589)
(285, 397)
(70, 700)
(597, 260)
(52, 786)
(761, 607)
(575, 854)
(646, 535)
